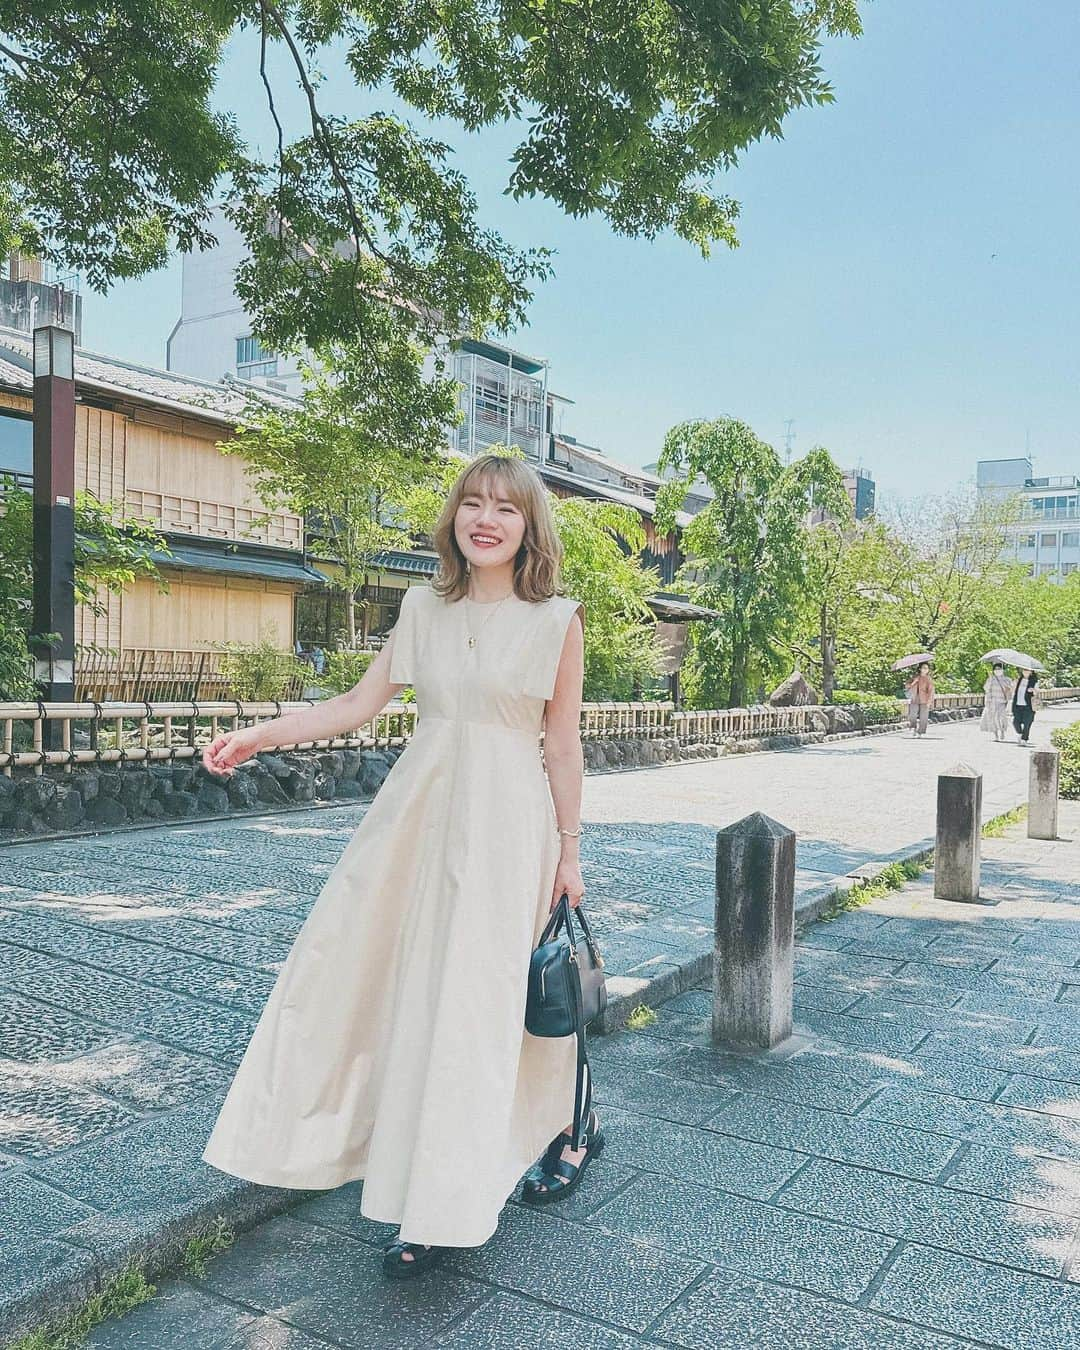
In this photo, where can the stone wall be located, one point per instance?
(98, 797)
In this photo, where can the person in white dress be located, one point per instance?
(392, 1046)
(998, 691)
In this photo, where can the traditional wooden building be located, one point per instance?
(147, 440)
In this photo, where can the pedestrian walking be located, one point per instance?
(920, 692)
(392, 1046)
(1023, 704)
(998, 691)
(318, 660)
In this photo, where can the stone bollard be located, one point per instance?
(1043, 794)
(959, 834)
(755, 933)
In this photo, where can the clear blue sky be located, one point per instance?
(908, 285)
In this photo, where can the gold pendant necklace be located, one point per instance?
(473, 637)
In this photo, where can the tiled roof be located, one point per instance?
(223, 402)
(591, 487)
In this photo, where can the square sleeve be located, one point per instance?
(405, 638)
(545, 650)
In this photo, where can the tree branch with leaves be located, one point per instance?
(117, 137)
(746, 550)
(366, 475)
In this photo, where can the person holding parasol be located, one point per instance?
(1024, 699)
(919, 689)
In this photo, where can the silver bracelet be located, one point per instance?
(574, 834)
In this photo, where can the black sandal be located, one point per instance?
(423, 1258)
(552, 1178)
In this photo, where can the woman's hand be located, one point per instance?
(568, 879)
(222, 755)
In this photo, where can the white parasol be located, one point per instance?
(1009, 656)
(906, 662)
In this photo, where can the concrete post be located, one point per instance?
(959, 834)
(755, 933)
(1043, 794)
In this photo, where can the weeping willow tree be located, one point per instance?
(602, 568)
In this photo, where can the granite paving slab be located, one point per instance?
(269, 1270)
(977, 1122)
(179, 1316)
(758, 1240)
(996, 1051)
(581, 1268)
(997, 1306)
(910, 1152)
(1020, 1176)
(731, 1312)
(1014, 1235)
(509, 1323)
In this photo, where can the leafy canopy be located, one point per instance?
(746, 550)
(602, 545)
(107, 558)
(367, 474)
(116, 134)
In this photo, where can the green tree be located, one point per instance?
(602, 568)
(1033, 614)
(850, 569)
(116, 137)
(746, 550)
(946, 587)
(367, 473)
(949, 550)
(260, 671)
(108, 557)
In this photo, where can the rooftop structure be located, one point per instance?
(1046, 539)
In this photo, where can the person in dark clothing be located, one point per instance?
(1023, 706)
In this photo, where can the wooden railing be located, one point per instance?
(942, 701)
(178, 729)
(215, 520)
(144, 674)
(144, 732)
(708, 726)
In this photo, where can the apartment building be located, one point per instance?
(1046, 539)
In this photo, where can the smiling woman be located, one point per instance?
(395, 1033)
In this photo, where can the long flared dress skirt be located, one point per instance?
(393, 1045)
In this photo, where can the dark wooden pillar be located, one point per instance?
(54, 516)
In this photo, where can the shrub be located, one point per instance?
(1067, 740)
(878, 708)
(344, 669)
(258, 671)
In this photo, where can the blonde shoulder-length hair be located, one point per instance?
(536, 567)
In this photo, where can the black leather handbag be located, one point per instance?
(566, 992)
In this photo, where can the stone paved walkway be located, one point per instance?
(133, 966)
(909, 1181)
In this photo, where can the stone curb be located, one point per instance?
(59, 1290)
(626, 992)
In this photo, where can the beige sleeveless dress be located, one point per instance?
(392, 1046)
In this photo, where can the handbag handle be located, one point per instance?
(561, 918)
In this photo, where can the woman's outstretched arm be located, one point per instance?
(321, 722)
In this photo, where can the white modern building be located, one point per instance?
(212, 339)
(1047, 537)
